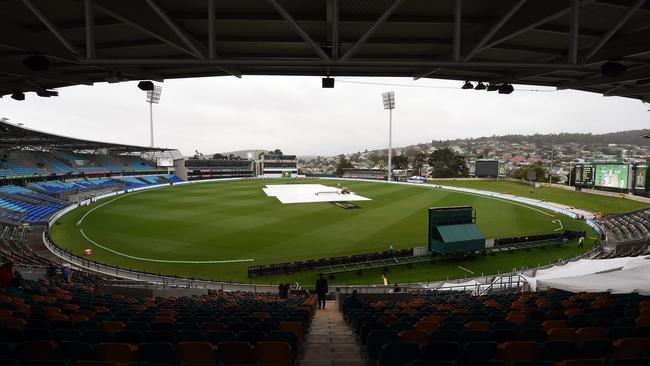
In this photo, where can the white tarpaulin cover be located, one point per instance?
(306, 193)
(616, 275)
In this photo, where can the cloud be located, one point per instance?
(296, 115)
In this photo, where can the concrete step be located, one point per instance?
(331, 342)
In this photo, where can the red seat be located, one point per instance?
(235, 353)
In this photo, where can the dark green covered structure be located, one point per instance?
(453, 230)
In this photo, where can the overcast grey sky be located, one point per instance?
(297, 116)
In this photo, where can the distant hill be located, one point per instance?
(632, 137)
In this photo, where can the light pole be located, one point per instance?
(153, 96)
(550, 172)
(389, 103)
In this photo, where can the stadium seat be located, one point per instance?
(196, 352)
(439, 351)
(556, 351)
(398, 353)
(590, 333)
(630, 348)
(274, 353)
(78, 351)
(518, 351)
(235, 353)
(295, 327)
(116, 352)
(586, 362)
(561, 334)
(157, 352)
(479, 351)
(595, 348)
(415, 336)
(38, 351)
(376, 339)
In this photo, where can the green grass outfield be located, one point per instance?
(235, 220)
(586, 201)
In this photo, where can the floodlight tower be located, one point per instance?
(389, 103)
(153, 96)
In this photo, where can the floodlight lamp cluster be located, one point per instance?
(389, 99)
(504, 88)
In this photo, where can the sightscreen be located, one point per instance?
(165, 162)
(489, 168)
(612, 175)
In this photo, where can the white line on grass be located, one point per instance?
(558, 221)
(465, 269)
(161, 260)
(142, 258)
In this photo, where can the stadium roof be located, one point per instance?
(16, 136)
(560, 43)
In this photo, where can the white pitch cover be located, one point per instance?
(306, 193)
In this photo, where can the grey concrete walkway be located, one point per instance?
(330, 341)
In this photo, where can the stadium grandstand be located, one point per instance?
(199, 169)
(273, 165)
(376, 174)
(69, 307)
(40, 171)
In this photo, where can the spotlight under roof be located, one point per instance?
(47, 93)
(480, 86)
(612, 69)
(37, 63)
(18, 96)
(328, 83)
(506, 89)
(467, 85)
(146, 85)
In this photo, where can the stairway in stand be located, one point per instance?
(330, 341)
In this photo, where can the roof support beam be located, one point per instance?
(298, 29)
(333, 26)
(211, 30)
(154, 29)
(89, 16)
(533, 19)
(643, 90)
(493, 30)
(635, 74)
(484, 65)
(457, 28)
(479, 43)
(619, 23)
(52, 28)
(364, 37)
(574, 31)
(187, 39)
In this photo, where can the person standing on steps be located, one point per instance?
(321, 290)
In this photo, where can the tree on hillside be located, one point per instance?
(342, 163)
(400, 162)
(218, 156)
(418, 161)
(277, 152)
(540, 173)
(447, 164)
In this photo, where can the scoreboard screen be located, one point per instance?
(584, 174)
(612, 175)
(640, 177)
(165, 162)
